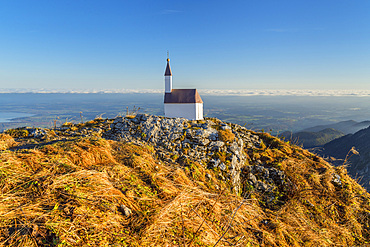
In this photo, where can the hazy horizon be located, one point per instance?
(276, 113)
(215, 92)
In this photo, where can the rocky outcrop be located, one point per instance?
(211, 142)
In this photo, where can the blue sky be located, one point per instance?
(264, 44)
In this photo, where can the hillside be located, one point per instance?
(312, 139)
(358, 165)
(347, 127)
(152, 181)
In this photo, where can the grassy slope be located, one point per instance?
(71, 193)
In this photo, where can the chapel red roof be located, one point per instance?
(182, 96)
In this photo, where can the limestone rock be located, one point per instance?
(337, 180)
(125, 210)
(189, 140)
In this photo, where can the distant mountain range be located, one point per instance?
(347, 127)
(310, 139)
(358, 164)
(318, 136)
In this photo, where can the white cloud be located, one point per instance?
(41, 90)
(218, 92)
(293, 30)
(282, 30)
(170, 11)
(357, 93)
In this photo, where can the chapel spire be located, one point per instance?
(168, 76)
(168, 68)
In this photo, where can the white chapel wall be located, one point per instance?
(199, 107)
(188, 111)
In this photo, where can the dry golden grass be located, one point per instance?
(70, 194)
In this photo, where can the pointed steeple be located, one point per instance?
(168, 68)
(168, 76)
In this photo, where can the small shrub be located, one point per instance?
(131, 113)
(6, 141)
(17, 133)
(222, 156)
(67, 124)
(226, 135)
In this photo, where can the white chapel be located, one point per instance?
(185, 103)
